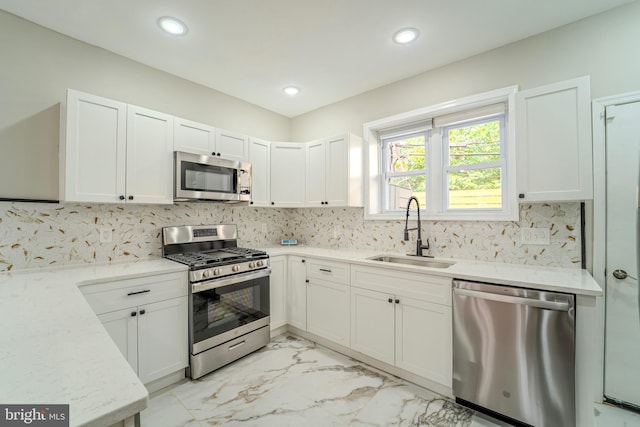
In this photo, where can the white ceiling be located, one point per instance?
(331, 49)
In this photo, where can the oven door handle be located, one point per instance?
(232, 280)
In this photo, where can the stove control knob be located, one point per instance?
(217, 272)
(252, 264)
(235, 268)
(260, 263)
(206, 273)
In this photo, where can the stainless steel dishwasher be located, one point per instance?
(514, 352)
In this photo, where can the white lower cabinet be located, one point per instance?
(328, 310)
(297, 293)
(402, 319)
(423, 339)
(373, 324)
(147, 319)
(277, 291)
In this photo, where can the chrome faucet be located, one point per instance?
(419, 245)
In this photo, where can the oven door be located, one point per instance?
(210, 178)
(223, 309)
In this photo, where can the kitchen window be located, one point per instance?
(457, 158)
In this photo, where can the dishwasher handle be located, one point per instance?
(548, 305)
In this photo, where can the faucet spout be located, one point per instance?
(419, 245)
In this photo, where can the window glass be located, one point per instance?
(473, 175)
(405, 170)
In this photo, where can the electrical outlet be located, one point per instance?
(106, 235)
(264, 227)
(336, 232)
(535, 236)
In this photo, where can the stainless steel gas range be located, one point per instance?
(228, 295)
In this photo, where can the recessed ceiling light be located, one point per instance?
(172, 26)
(291, 90)
(405, 35)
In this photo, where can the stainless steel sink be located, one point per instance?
(409, 260)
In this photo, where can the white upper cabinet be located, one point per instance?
(198, 138)
(260, 157)
(193, 137)
(553, 142)
(115, 153)
(334, 172)
(232, 145)
(287, 174)
(93, 149)
(316, 173)
(149, 156)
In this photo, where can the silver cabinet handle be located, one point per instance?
(549, 305)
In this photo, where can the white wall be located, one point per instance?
(604, 46)
(38, 65)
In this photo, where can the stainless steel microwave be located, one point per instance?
(206, 178)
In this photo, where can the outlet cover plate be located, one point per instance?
(535, 236)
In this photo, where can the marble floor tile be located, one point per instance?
(293, 382)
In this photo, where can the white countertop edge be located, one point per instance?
(124, 394)
(556, 279)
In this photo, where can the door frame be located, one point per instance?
(599, 224)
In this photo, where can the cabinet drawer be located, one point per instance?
(117, 295)
(328, 270)
(425, 287)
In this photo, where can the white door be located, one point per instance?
(163, 341)
(122, 327)
(423, 339)
(297, 293)
(277, 292)
(338, 165)
(622, 348)
(373, 324)
(259, 156)
(316, 170)
(328, 310)
(288, 174)
(193, 137)
(232, 145)
(149, 156)
(93, 153)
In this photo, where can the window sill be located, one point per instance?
(458, 216)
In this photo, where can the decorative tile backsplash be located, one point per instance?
(36, 235)
(473, 240)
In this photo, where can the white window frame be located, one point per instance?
(374, 174)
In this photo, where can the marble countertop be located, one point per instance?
(54, 350)
(570, 280)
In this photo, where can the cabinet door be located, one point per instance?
(232, 145)
(149, 156)
(122, 326)
(277, 292)
(423, 339)
(193, 137)
(553, 140)
(297, 293)
(337, 178)
(287, 174)
(373, 324)
(92, 157)
(328, 310)
(316, 173)
(162, 338)
(259, 156)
